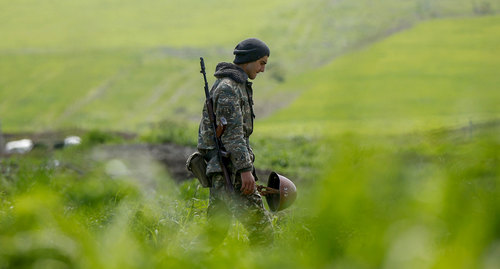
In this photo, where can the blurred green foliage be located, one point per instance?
(296, 156)
(414, 201)
(96, 137)
(172, 131)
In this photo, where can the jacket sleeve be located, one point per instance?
(228, 106)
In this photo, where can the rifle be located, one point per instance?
(222, 155)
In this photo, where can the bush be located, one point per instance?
(171, 131)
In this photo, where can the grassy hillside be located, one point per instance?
(377, 188)
(440, 73)
(124, 64)
(115, 24)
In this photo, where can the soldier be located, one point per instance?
(232, 98)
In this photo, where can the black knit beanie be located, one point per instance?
(250, 50)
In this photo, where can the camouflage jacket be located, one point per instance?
(232, 99)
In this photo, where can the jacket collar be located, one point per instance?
(231, 71)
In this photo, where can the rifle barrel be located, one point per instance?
(202, 64)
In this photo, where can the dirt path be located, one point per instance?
(170, 156)
(144, 158)
(140, 159)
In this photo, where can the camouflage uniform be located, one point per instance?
(232, 98)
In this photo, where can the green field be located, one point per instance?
(439, 74)
(384, 113)
(124, 65)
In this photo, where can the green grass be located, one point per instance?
(127, 24)
(440, 73)
(124, 65)
(377, 189)
(421, 201)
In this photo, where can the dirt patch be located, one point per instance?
(171, 157)
(140, 159)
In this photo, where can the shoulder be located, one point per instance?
(228, 87)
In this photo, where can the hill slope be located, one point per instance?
(126, 64)
(441, 73)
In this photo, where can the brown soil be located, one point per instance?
(140, 158)
(171, 156)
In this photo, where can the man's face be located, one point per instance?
(253, 68)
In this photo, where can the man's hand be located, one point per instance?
(247, 183)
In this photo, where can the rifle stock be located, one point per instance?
(221, 127)
(218, 129)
